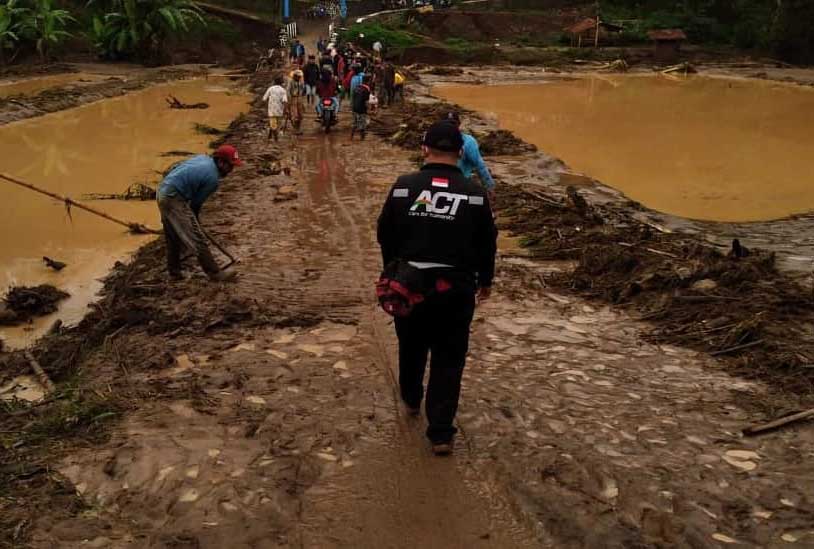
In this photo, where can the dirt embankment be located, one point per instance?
(406, 129)
(478, 26)
(59, 98)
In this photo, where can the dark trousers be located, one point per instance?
(440, 326)
(182, 230)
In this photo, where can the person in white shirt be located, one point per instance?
(277, 99)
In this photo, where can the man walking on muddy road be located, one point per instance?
(181, 195)
(277, 98)
(438, 241)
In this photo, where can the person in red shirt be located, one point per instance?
(346, 83)
(327, 88)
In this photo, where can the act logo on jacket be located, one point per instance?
(438, 204)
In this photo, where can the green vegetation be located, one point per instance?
(793, 32)
(395, 41)
(11, 22)
(781, 26)
(47, 25)
(34, 23)
(140, 28)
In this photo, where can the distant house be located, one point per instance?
(585, 32)
(667, 43)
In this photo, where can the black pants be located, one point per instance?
(182, 230)
(439, 325)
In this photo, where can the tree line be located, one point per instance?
(782, 27)
(116, 29)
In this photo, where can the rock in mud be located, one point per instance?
(23, 303)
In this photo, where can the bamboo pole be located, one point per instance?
(596, 37)
(134, 227)
(41, 375)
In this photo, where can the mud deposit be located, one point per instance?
(35, 85)
(101, 148)
(699, 148)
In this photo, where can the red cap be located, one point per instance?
(228, 152)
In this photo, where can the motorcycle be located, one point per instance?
(328, 114)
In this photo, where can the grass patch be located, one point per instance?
(395, 41)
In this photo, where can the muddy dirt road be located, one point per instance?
(264, 413)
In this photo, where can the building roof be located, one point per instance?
(667, 35)
(589, 23)
(585, 25)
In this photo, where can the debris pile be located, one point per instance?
(136, 191)
(502, 142)
(733, 303)
(405, 127)
(23, 303)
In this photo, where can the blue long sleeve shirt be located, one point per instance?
(194, 180)
(472, 160)
(357, 81)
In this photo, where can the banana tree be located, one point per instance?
(47, 25)
(11, 20)
(142, 27)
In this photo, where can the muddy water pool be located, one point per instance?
(697, 147)
(102, 147)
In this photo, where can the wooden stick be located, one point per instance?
(737, 348)
(705, 298)
(651, 250)
(134, 227)
(763, 427)
(41, 375)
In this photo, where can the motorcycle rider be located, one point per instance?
(328, 88)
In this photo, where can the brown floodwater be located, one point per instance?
(102, 147)
(702, 148)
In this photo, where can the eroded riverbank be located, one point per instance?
(99, 148)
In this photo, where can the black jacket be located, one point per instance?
(436, 215)
(311, 73)
(361, 95)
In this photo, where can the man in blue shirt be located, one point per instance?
(181, 195)
(471, 158)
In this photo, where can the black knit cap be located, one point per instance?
(444, 136)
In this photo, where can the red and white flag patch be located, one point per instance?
(440, 182)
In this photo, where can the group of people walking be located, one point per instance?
(436, 230)
(336, 75)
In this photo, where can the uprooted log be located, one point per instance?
(45, 381)
(619, 65)
(136, 228)
(175, 103)
(777, 423)
(685, 68)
